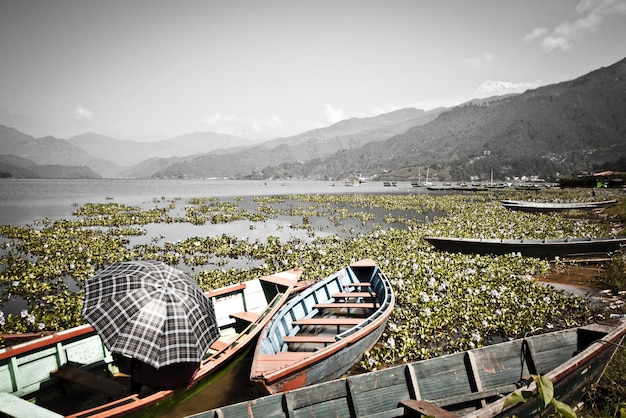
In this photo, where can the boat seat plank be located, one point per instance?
(282, 281)
(328, 321)
(392, 413)
(16, 407)
(348, 305)
(218, 345)
(483, 394)
(246, 316)
(358, 284)
(280, 359)
(425, 408)
(91, 381)
(226, 291)
(320, 339)
(354, 295)
(285, 355)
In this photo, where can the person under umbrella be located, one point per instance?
(155, 314)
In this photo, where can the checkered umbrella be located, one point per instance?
(150, 311)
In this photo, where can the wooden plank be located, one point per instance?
(284, 356)
(425, 408)
(91, 381)
(225, 291)
(218, 345)
(412, 382)
(329, 321)
(282, 281)
(398, 412)
(473, 396)
(346, 305)
(358, 284)
(316, 339)
(354, 295)
(474, 376)
(246, 316)
(16, 407)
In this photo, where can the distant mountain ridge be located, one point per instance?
(319, 143)
(561, 129)
(564, 128)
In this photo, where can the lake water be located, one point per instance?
(24, 200)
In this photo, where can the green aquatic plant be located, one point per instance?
(444, 302)
(545, 389)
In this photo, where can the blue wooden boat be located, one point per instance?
(473, 383)
(323, 331)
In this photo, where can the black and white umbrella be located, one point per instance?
(150, 311)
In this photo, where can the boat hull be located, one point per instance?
(474, 383)
(531, 248)
(527, 206)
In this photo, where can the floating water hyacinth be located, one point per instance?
(444, 302)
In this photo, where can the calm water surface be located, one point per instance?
(24, 200)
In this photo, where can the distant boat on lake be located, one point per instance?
(548, 249)
(529, 206)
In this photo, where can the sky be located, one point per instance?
(262, 69)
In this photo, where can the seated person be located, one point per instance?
(172, 376)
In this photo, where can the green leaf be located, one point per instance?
(545, 388)
(517, 397)
(564, 409)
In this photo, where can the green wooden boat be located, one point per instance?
(473, 383)
(72, 374)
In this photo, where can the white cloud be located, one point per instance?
(536, 33)
(246, 127)
(82, 113)
(385, 109)
(566, 34)
(480, 63)
(333, 114)
(498, 88)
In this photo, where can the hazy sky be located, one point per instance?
(263, 69)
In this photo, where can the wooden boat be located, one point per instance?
(71, 373)
(529, 206)
(322, 332)
(473, 383)
(549, 249)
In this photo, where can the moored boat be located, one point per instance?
(72, 373)
(529, 206)
(547, 248)
(323, 331)
(473, 383)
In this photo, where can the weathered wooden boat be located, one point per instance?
(547, 248)
(473, 383)
(72, 373)
(529, 206)
(322, 332)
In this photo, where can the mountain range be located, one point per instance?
(561, 129)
